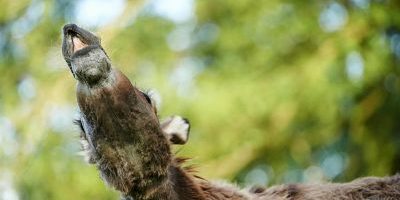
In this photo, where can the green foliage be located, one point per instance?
(276, 91)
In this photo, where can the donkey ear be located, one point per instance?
(176, 129)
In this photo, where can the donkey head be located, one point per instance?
(89, 63)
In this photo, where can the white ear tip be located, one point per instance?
(177, 129)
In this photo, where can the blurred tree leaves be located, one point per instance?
(276, 91)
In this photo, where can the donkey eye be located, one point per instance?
(147, 97)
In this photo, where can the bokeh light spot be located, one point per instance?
(26, 88)
(333, 165)
(333, 17)
(354, 66)
(92, 13)
(178, 11)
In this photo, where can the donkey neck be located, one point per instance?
(180, 185)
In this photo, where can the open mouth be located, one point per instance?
(77, 43)
(76, 38)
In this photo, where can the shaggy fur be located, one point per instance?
(125, 141)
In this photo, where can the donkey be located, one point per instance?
(131, 149)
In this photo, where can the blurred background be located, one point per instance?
(276, 91)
